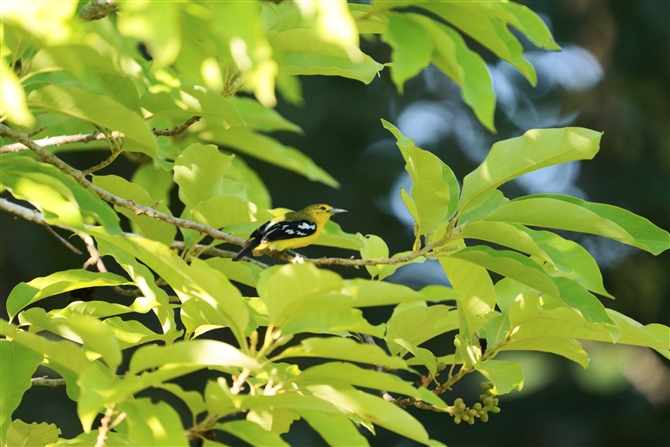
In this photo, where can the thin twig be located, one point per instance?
(104, 427)
(95, 136)
(103, 164)
(97, 9)
(176, 130)
(43, 381)
(62, 240)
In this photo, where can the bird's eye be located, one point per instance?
(323, 208)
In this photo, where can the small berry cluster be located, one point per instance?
(461, 412)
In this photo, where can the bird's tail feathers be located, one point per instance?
(247, 249)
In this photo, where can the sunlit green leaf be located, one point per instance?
(22, 434)
(537, 148)
(573, 214)
(17, 365)
(504, 375)
(153, 424)
(78, 103)
(251, 433)
(25, 294)
(411, 44)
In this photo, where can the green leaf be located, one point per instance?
(526, 21)
(261, 118)
(495, 200)
(373, 247)
(562, 257)
(342, 349)
(256, 191)
(504, 375)
(411, 44)
(28, 293)
(13, 98)
(97, 109)
(419, 324)
(131, 333)
(434, 186)
(192, 100)
(510, 264)
(156, 181)
(201, 353)
(226, 211)
(17, 365)
(22, 434)
(465, 67)
(531, 318)
(537, 148)
(193, 399)
(333, 236)
(372, 409)
(251, 433)
(91, 332)
(145, 225)
(566, 347)
(57, 195)
(305, 54)
(426, 357)
(569, 213)
(335, 429)
(340, 373)
(476, 287)
(199, 172)
(287, 287)
(269, 150)
(333, 321)
(242, 272)
(493, 34)
(152, 424)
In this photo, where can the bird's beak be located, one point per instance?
(337, 210)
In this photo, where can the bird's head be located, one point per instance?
(321, 211)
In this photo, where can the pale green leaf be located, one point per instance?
(343, 349)
(153, 424)
(17, 365)
(199, 172)
(98, 109)
(13, 99)
(572, 214)
(411, 44)
(261, 118)
(491, 33)
(335, 429)
(434, 186)
(57, 195)
(373, 247)
(242, 272)
(373, 409)
(192, 100)
(419, 324)
(31, 435)
(251, 433)
(92, 333)
(338, 321)
(510, 264)
(566, 347)
(268, 149)
(28, 293)
(147, 226)
(156, 181)
(537, 148)
(202, 353)
(305, 54)
(504, 375)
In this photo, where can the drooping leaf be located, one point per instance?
(504, 375)
(199, 172)
(411, 44)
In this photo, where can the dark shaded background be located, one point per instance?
(613, 76)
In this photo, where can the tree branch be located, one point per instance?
(43, 381)
(97, 9)
(95, 136)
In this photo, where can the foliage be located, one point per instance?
(191, 68)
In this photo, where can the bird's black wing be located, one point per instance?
(276, 231)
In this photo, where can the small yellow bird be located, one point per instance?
(291, 230)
